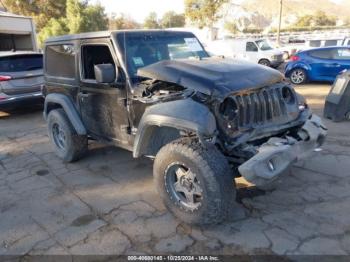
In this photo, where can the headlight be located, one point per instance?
(288, 95)
(229, 109)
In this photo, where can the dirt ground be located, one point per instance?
(107, 204)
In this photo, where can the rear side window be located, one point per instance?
(19, 63)
(94, 55)
(60, 60)
(315, 43)
(330, 42)
(323, 54)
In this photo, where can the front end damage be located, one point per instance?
(276, 155)
(260, 124)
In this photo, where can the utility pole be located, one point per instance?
(279, 25)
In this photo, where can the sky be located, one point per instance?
(139, 9)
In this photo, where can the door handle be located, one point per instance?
(84, 95)
(336, 64)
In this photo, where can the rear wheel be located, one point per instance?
(68, 145)
(195, 183)
(298, 76)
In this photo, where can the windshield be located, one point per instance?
(263, 45)
(143, 49)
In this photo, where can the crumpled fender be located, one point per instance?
(185, 115)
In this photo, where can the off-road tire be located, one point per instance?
(75, 145)
(211, 169)
(265, 62)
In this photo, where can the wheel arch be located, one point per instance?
(164, 122)
(54, 101)
(302, 66)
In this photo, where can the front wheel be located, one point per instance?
(195, 183)
(265, 62)
(298, 76)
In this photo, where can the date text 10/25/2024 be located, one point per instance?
(173, 258)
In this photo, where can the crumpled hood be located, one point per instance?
(213, 75)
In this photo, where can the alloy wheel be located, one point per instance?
(59, 136)
(297, 76)
(183, 186)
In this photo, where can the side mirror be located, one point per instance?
(105, 73)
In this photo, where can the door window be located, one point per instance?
(323, 54)
(251, 47)
(94, 55)
(343, 54)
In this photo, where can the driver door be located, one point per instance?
(102, 105)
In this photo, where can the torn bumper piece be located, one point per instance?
(277, 154)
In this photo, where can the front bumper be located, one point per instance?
(277, 154)
(19, 100)
(276, 63)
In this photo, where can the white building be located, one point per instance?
(17, 32)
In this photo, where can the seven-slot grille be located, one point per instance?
(260, 107)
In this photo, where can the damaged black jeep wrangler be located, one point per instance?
(157, 93)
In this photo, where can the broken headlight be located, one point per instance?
(228, 109)
(288, 95)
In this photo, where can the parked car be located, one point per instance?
(253, 50)
(294, 46)
(319, 64)
(21, 78)
(158, 93)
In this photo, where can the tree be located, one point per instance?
(151, 21)
(321, 19)
(318, 19)
(304, 21)
(53, 28)
(122, 22)
(74, 16)
(94, 19)
(204, 12)
(79, 17)
(172, 19)
(231, 27)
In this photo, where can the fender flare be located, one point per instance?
(184, 115)
(68, 106)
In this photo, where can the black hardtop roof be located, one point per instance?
(103, 34)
